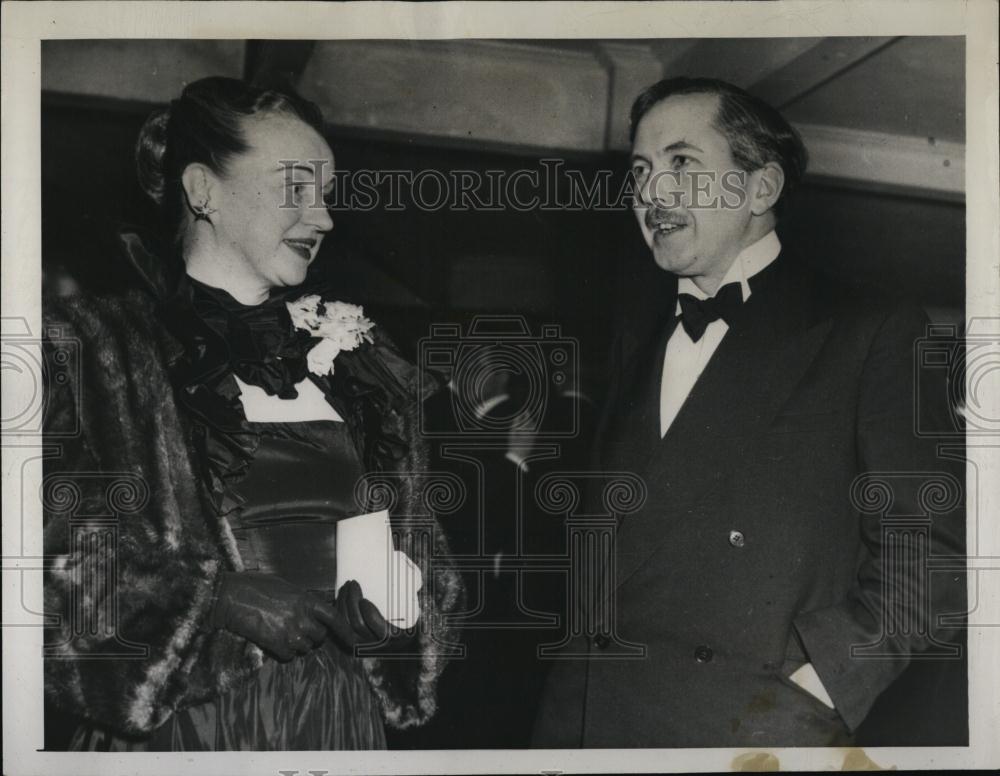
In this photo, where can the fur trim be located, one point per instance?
(142, 652)
(151, 654)
(406, 686)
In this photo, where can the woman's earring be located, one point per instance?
(202, 212)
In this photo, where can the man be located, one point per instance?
(758, 578)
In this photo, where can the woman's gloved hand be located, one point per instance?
(276, 615)
(367, 623)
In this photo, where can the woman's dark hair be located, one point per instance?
(205, 125)
(757, 133)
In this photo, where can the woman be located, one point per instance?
(228, 419)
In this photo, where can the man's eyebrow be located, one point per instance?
(680, 145)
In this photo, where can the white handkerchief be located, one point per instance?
(388, 578)
(805, 676)
(310, 404)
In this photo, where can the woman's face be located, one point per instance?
(270, 214)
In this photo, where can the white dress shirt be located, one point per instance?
(684, 360)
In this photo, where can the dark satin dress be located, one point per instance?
(301, 481)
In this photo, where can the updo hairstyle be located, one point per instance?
(205, 125)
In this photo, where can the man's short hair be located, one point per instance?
(757, 133)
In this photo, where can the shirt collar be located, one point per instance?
(750, 261)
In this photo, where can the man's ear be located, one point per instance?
(769, 181)
(198, 180)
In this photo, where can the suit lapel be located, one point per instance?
(627, 432)
(761, 359)
(634, 437)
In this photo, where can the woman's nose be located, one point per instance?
(319, 218)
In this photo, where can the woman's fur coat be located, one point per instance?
(129, 644)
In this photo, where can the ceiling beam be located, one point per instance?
(901, 164)
(740, 61)
(525, 99)
(483, 92)
(815, 67)
(151, 71)
(631, 68)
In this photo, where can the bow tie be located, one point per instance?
(696, 313)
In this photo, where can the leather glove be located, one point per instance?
(367, 623)
(275, 614)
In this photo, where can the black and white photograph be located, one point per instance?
(501, 387)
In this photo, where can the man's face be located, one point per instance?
(691, 199)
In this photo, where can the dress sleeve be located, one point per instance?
(133, 558)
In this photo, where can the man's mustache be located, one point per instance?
(657, 216)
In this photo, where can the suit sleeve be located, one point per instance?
(862, 644)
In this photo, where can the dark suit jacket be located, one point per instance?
(751, 555)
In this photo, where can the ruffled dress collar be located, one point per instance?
(264, 347)
(221, 337)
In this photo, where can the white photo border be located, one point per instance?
(26, 24)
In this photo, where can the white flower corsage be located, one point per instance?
(341, 326)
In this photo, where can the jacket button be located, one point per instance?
(737, 539)
(601, 641)
(703, 654)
